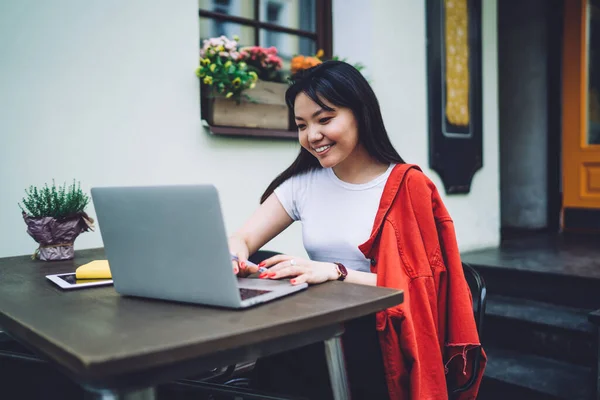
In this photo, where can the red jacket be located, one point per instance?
(433, 333)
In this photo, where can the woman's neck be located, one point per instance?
(359, 167)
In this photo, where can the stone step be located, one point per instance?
(513, 375)
(548, 330)
(557, 269)
(548, 287)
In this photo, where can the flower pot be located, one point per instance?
(266, 110)
(56, 237)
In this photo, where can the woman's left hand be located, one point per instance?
(311, 272)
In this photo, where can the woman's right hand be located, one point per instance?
(265, 223)
(238, 247)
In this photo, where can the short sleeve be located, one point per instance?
(287, 193)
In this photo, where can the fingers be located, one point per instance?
(250, 267)
(283, 264)
(269, 262)
(283, 272)
(236, 268)
(300, 279)
(245, 267)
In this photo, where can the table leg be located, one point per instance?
(337, 368)
(142, 394)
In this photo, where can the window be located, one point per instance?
(293, 26)
(274, 17)
(223, 7)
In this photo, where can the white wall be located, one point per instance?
(391, 41)
(105, 92)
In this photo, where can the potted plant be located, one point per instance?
(54, 217)
(238, 87)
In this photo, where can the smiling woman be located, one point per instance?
(345, 159)
(334, 187)
(358, 202)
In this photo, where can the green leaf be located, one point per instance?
(54, 201)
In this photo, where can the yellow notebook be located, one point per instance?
(97, 269)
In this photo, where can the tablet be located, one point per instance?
(68, 281)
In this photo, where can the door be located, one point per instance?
(581, 116)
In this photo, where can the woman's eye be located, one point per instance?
(325, 120)
(301, 126)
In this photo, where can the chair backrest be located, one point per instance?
(478, 293)
(261, 255)
(479, 296)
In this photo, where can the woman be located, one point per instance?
(339, 186)
(345, 159)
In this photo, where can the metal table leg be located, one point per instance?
(337, 368)
(142, 394)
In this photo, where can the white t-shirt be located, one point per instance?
(336, 216)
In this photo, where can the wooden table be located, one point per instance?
(112, 344)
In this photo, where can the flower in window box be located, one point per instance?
(300, 62)
(221, 69)
(264, 61)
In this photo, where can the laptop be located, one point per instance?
(169, 243)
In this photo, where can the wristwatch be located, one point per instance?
(342, 271)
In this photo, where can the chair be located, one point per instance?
(10, 348)
(262, 255)
(479, 295)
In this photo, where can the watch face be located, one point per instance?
(342, 271)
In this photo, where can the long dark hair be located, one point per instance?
(343, 86)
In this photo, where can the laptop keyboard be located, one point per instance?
(249, 293)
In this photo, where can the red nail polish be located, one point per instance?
(293, 281)
(262, 264)
(243, 265)
(271, 274)
(263, 275)
(236, 270)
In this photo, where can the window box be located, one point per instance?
(266, 109)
